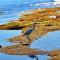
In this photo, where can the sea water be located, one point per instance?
(49, 42)
(11, 10)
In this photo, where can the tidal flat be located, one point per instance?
(48, 20)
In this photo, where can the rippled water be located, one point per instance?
(12, 11)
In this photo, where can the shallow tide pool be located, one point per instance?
(11, 10)
(49, 42)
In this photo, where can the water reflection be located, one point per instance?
(49, 42)
(5, 34)
(13, 57)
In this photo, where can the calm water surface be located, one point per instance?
(11, 10)
(49, 42)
